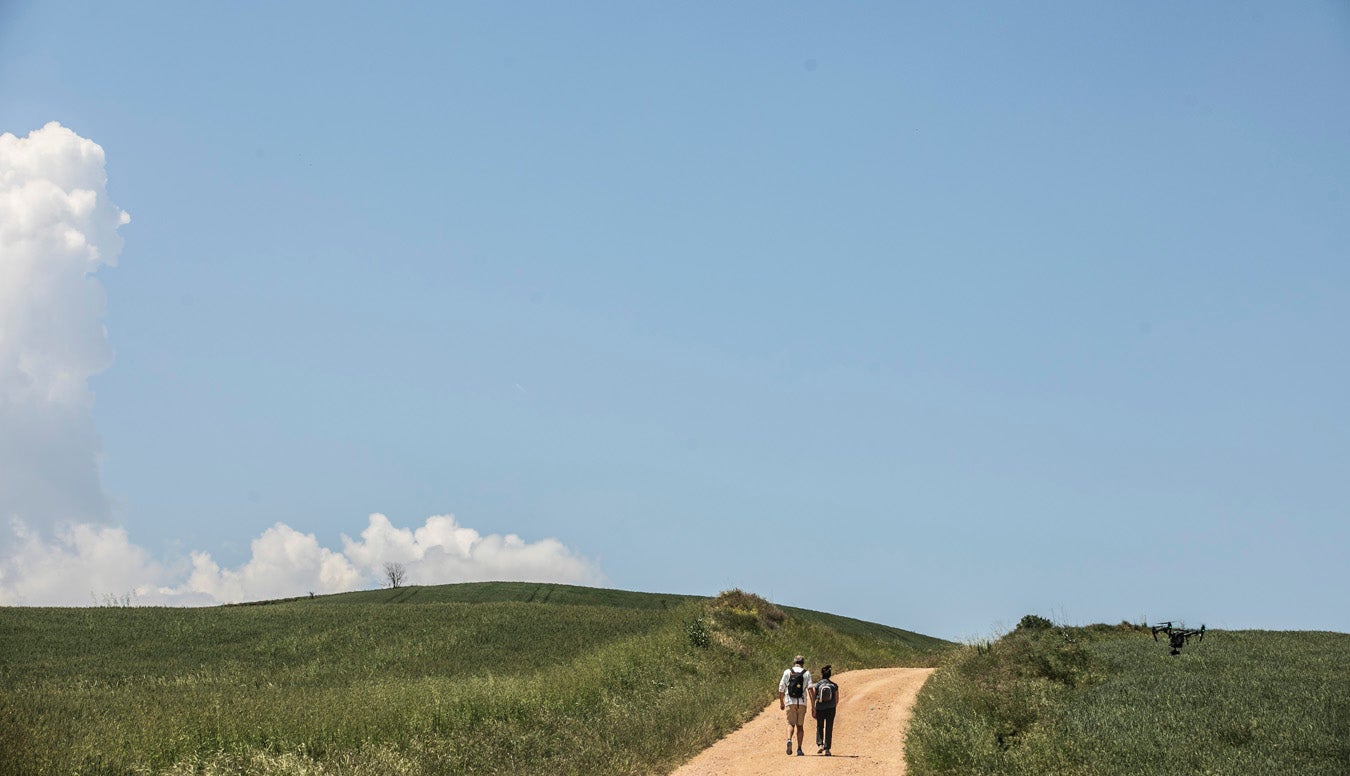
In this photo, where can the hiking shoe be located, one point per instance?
(820, 748)
(827, 753)
(800, 753)
(789, 746)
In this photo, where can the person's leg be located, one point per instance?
(801, 737)
(829, 729)
(820, 731)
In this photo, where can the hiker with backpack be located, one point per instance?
(792, 699)
(824, 700)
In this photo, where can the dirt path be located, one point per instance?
(874, 711)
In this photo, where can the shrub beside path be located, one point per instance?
(869, 732)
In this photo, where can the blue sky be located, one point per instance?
(930, 315)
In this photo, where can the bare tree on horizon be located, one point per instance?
(394, 573)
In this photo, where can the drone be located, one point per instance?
(1177, 637)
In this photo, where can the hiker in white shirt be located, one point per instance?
(792, 699)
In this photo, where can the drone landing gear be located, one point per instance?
(1176, 641)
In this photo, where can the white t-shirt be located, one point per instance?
(782, 687)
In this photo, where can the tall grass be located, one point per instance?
(416, 688)
(1110, 700)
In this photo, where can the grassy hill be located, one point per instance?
(505, 678)
(1111, 700)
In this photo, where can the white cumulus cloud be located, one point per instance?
(57, 228)
(442, 550)
(284, 563)
(82, 564)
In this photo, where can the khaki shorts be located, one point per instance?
(796, 714)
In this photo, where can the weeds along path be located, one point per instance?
(869, 732)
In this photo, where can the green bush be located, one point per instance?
(697, 633)
(741, 609)
(1034, 622)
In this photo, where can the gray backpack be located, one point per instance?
(826, 692)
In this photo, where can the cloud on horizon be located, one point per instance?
(90, 564)
(58, 545)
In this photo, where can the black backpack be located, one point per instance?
(796, 683)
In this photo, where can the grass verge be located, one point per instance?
(1111, 700)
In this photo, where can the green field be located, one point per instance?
(517, 678)
(1111, 700)
(501, 678)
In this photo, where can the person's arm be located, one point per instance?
(782, 688)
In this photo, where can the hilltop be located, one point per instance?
(575, 595)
